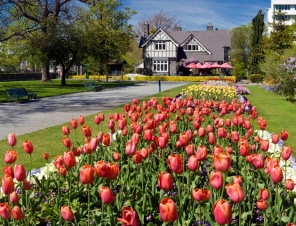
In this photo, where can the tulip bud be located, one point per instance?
(11, 138)
(67, 213)
(13, 197)
(168, 210)
(106, 195)
(28, 146)
(17, 213)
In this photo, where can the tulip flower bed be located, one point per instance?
(195, 159)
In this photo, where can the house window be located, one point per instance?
(282, 7)
(160, 66)
(160, 45)
(191, 47)
(285, 17)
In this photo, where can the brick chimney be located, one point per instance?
(179, 28)
(209, 27)
(146, 29)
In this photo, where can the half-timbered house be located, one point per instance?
(163, 51)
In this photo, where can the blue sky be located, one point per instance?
(196, 14)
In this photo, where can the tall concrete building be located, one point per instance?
(286, 6)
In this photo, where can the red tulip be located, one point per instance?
(173, 127)
(67, 213)
(201, 132)
(10, 156)
(27, 185)
(175, 163)
(276, 174)
(168, 210)
(264, 145)
(69, 159)
(147, 135)
(137, 157)
(93, 144)
(113, 171)
(14, 198)
(8, 170)
(162, 142)
(264, 194)
(101, 169)
(74, 123)
(127, 108)
(28, 146)
(130, 147)
(165, 181)
(289, 184)
(116, 156)
(189, 149)
(87, 131)
(291, 224)
(17, 213)
(145, 153)
(67, 142)
(222, 161)
(100, 136)
(201, 195)
(11, 138)
(183, 139)
(286, 152)
(261, 204)
(216, 179)
(234, 137)
(192, 163)
(201, 153)
(284, 135)
(5, 211)
(106, 195)
(235, 192)
(87, 174)
(238, 180)
(65, 130)
(106, 139)
(19, 172)
(275, 138)
(7, 184)
(129, 217)
(81, 120)
(257, 161)
(97, 120)
(244, 149)
(262, 124)
(58, 161)
(211, 138)
(222, 212)
(45, 156)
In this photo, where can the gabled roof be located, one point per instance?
(212, 41)
(150, 37)
(192, 37)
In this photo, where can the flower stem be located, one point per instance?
(88, 204)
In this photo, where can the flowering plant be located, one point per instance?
(186, 160)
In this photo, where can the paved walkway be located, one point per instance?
(29, 116)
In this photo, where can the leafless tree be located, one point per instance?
(158, 20)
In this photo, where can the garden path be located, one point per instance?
(28, 116)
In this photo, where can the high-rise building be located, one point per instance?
(286, 6)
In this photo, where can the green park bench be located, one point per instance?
(17, 93)
(92, 86)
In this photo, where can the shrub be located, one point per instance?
(256, 78)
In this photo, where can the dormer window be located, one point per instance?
(159, 45)
(191, 47)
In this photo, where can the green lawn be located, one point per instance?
(54, 88)
(279, 113)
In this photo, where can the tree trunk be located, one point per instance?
(63, 78)
(45, 72)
